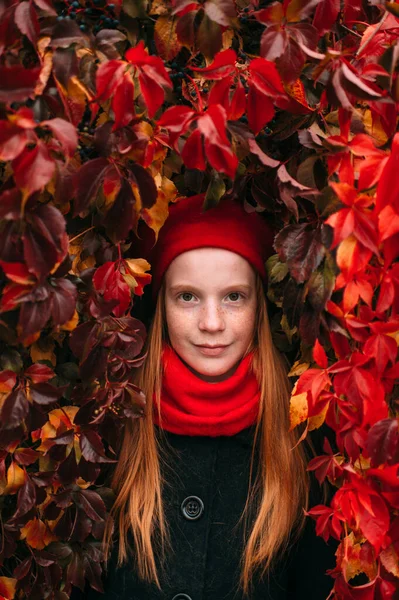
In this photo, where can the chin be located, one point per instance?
(214, 367)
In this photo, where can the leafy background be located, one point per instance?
(109, 112)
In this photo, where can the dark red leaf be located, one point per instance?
(300, 246)
(383, 442)
(326, 14)
(27, 21)
(45, 394)
(39, 373)
(92, 448)
(88, 180)
(65, 132)
(17, 83)
(14, 409)
(63, 301)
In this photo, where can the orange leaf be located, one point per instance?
(37, 534)
(7, 587)
(16, 477)
(165, 37)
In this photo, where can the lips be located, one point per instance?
(212, 347)
(211, 350)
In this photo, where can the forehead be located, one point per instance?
(209, 265)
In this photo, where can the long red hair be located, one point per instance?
(280, 488)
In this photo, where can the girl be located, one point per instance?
(210, 485)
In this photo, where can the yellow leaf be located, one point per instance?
(156, 216)
(78, 265)
(318, 420)
(7, 587)
(72, 323)
(227, 39)
(373, 126)
(137, 266)
(298, 409)
(43, 349)
(165, 37)
(130, 280)
(45, 71)
(395, 336)
(298, 368)
(390, 560)
(346, 252)
(158, 7)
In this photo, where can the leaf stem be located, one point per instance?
(81, 233)
(373, 34)
(199, 97)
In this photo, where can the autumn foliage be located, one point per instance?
(109, 112)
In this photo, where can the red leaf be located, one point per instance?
(88, 180)
(265, 77)
(14, 410)
(326, 14)
(92, 448)
(193, 152)
(388, 185)
(212, 125)
(46, 5)
(17, 272)
(260, 109)
(108, 77)
(265, 86)
(13, 140)
(33, 169)
(65, 132)
(153, 76)
(388, 223)
(222, 65)
(8, 379)
(220, 11)
(273, 43)
(176, 120)
(17, 83)
(110, 282)
(272, 14)
(63, 301)
(383, 443)
(45, 239)
(343, 223)
(383, 348)
(45, 394)
(27, 21)
(123, 102)
(11, 295)
(39, 373)
(319, 355)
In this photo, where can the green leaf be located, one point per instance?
(216, 189)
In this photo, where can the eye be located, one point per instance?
(183, 296)
(237, 295)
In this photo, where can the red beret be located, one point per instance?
(227, 226)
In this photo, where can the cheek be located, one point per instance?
(244, 322)
(178, 322)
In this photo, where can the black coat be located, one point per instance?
(203, 503)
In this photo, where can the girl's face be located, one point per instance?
(210, 303)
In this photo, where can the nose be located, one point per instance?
(211, 317)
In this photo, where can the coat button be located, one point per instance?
(192, 508)
(181, 597)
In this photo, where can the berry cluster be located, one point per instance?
(94, 14)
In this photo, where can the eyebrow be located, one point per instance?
(184, 286)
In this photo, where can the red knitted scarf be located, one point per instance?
(191, 406)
